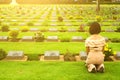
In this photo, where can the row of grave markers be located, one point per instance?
(61, 30)
(49, 38)
(52, 55)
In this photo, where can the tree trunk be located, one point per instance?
(98, 6)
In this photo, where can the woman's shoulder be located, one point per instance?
(95, 38)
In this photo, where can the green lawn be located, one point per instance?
(65, 34)
(40, 47)
(35, 70)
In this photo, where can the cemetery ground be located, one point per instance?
(36, 49)
(34, 70)
(41, 47)
(50, 20)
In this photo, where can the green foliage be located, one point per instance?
(65, 39)
(39, 37)
(60, 18)
(89, 23)
(30, 24)
(79, 17)
(63, 29)
(33, 57)
(98, 18)
(68, 56)
(14, 33)
(114, 17)
(108, 52)
(2, 54)
(118, 29)
(15, 24)
(5, 27)
(24, 28)
(71, 17)
(115, 40)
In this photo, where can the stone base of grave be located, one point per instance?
(61, 58)
(78, 58)
(52, 40)
(25, 58)
(113, 58)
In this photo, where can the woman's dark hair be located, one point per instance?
(95, 28)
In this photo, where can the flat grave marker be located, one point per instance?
(117, 56)
(16, 56)
(3, 38)
(34, 29)
(83, 55)
(72, 30)
(51, 55)
(77, 38)
(27, 38)
(52, 38)
(109, 30)
(15, 29)
(53, 29)
(106, 39)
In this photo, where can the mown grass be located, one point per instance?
(35, 70)
(40, 47)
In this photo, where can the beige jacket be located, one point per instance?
(95, 44)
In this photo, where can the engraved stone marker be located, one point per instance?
(51, 55)
(52, 38)
(27, 38)
(3, 38)
(77, 38)
(83, 55)
(15, 55)
(118, 55)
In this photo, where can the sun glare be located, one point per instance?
(13, 2)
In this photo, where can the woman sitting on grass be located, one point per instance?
(94, 48)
